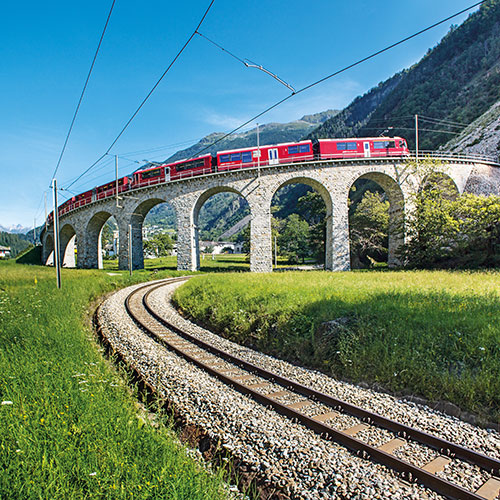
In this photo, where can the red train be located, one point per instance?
(322, 149)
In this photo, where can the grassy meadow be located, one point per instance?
(70, 427)
(432, 333)
(222, 262)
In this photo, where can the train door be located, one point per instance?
(273, 156)
(366, 149)
(167, 174)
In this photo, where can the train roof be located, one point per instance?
(381, 138)
(165, 164)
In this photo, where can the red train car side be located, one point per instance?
(362, 147)
(269, 155)
(173, 171)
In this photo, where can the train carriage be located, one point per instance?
(269, 155)
(173, 171)
(362, 147)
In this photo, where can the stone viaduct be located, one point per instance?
(332, 179)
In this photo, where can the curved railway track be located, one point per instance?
(318, 411)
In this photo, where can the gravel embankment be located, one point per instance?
(292, 457)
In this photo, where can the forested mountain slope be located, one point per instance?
(458, 80)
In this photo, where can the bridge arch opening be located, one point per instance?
(154, 230)
(48, 250)
(93, 257)
(300, 209)
(376, 220)
(442, 181)
(221, 219)
(68, 246)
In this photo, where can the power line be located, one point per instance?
(442, 121)
(342, 71)
(83, 91)
(413, 128)
(149, 94)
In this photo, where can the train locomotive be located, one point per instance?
(251, 157)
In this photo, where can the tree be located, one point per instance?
(368, 229)
(293, 238)
(159, 245)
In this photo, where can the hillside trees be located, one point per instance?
(16, 242)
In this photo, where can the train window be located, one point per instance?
(341, 146)
(246, 157)
(384, 144)
(352, 146)
(304, 148)
(151, 173)
(224, 158)
(293, 150)
(189, 165)
(235, 156)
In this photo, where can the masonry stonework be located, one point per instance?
(331, 179)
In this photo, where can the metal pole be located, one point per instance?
(45, 197)
(57, 263)
(130, 249)
(416, 137)
(258, 151)
(275, 251)
(116, 176)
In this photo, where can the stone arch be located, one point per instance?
(323, 191)
(445, 178)
(135, 221)
(48, 249)
(200, 201)
(67, 240)
(397, 203)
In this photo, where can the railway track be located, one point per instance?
(319, 411)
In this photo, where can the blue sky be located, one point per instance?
(46, 49)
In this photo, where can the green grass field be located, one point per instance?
(220, 262)
(69, 424)
(434, 334)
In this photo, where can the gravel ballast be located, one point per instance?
(293, 459)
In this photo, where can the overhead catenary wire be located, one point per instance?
(442, 120)
(250, 64)
(149, 93)
(83, 91)
(419, 128)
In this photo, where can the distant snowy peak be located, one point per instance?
(16, 229)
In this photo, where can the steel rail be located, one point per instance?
(407, 470)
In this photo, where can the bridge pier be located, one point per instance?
(337, 256)
(188, 258)
(261, 254)
(137, 251)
